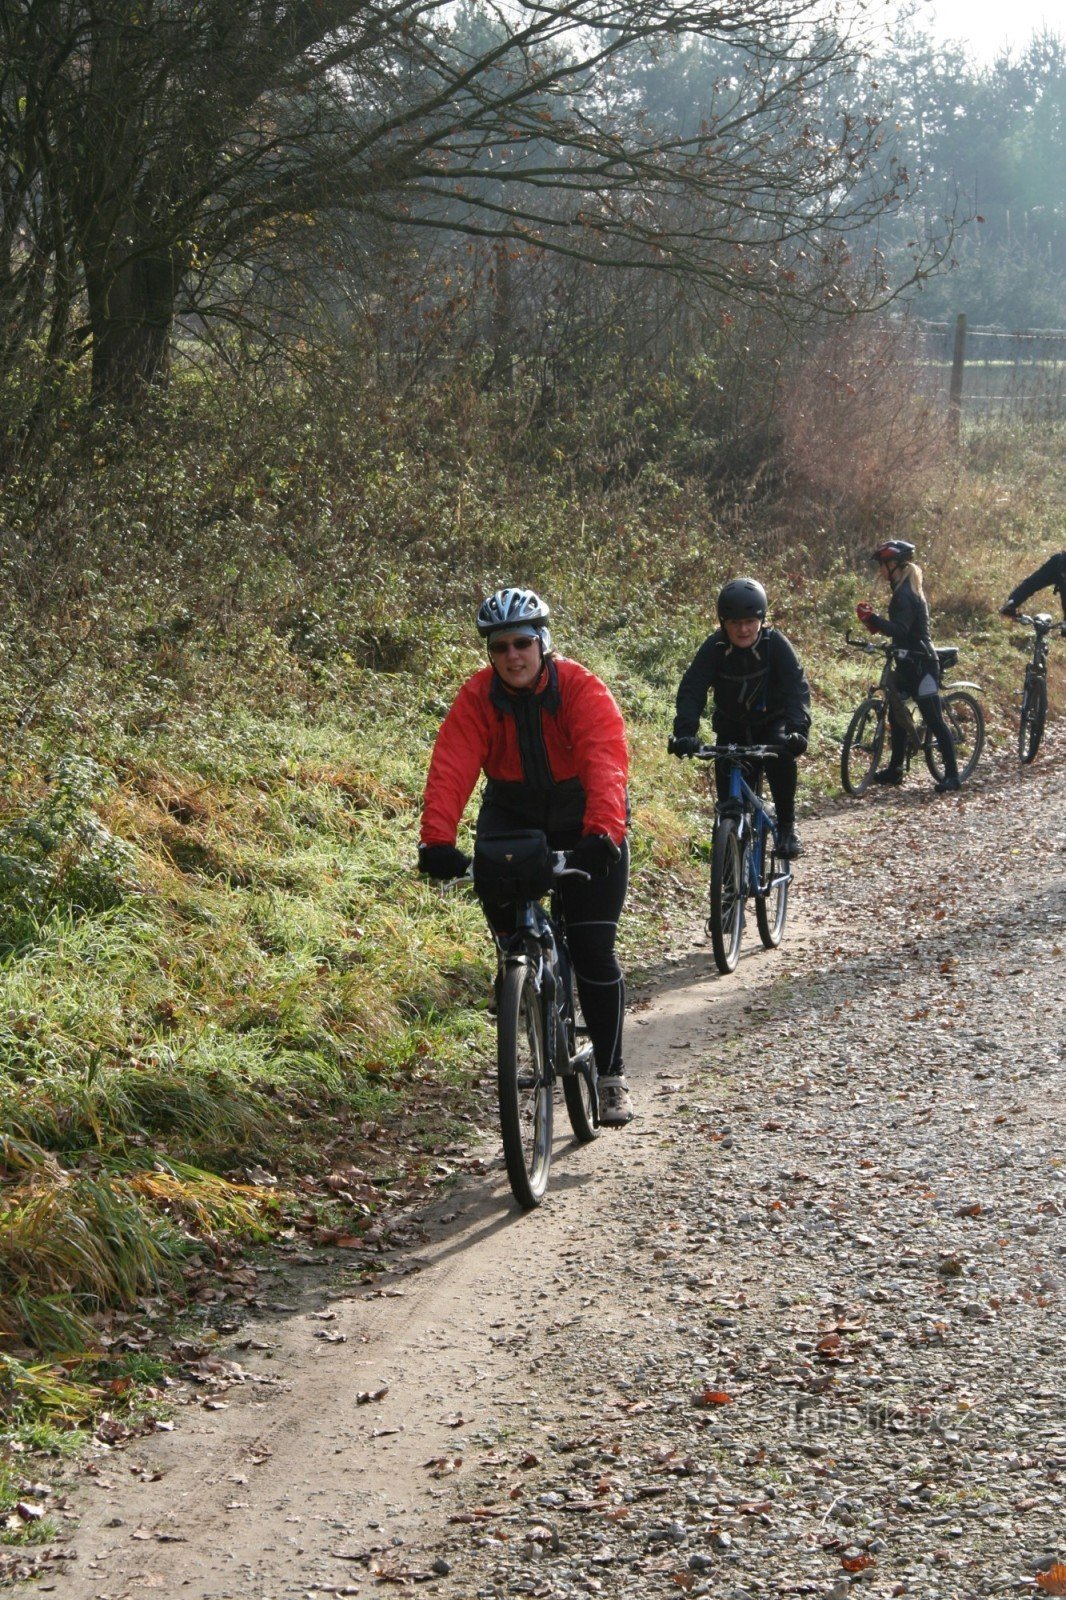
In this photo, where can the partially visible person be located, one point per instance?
(760, 696)
(550, 740)
(1052, 575)
(916, 669)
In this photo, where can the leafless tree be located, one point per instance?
(161, 156)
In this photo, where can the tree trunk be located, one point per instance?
(131, 312)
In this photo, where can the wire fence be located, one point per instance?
(1008, 376)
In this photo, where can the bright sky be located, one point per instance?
(985, 25)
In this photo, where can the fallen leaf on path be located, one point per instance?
(1053, 1579)
(365, 1396)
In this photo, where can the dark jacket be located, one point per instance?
(907, 623)
(759, 687)
(1051, 575)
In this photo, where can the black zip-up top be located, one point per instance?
(1051, 575)
(758, 686)
(907, 623)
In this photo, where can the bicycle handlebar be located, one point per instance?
(868, 645)
(736, 752)
(1042, 622)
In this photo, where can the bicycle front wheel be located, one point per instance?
(524, 1085)
(771, 897)
(579, 1088)
(727, 894)
(864, 741)
(1032, 718)
(966, 724)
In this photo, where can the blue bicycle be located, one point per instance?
(746, 857)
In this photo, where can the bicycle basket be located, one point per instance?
(517, 867)
(948, 655)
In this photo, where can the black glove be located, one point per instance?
(794, 743)
(595, 855)
(1008, 610)
(442, 861)
(682, 744)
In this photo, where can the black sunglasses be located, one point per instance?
(500, 647)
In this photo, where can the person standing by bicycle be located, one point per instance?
(760, 695)
(1052, 575)
(916, 668)
(550, 740)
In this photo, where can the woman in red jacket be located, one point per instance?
(550, 740)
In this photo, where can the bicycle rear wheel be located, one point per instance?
(864, 741)
(728, 888)
(966, 724)
(524, 1085)
(1032, 717)
(771, 897)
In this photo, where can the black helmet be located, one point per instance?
(894, 550)
(741, 597)
(513, 610)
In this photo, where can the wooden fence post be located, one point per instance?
(958, 362)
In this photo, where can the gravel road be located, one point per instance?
(797, 1330)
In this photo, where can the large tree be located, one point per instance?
(158, 153)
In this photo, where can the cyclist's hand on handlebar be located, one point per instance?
(682, 744)
(794, 743)
(865, 613)
(595, 855)
(442, 861)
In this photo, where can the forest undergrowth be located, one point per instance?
(230, 1011)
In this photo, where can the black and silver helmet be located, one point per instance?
(514, 610)
(741, 598)
(900, 550)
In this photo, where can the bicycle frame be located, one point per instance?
(901, 703)
(537, 1038)
(1034, 697)
(745, 804)
(1043, 626)
(536, 928)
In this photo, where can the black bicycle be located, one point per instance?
(746, 859)
(539, 1037)
(1032, 716)
(868, 731)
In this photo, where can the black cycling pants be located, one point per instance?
(932, 714)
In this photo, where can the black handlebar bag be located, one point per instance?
(514, 867)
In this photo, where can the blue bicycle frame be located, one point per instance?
(745, 858)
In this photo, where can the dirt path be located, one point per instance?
(798, 1328)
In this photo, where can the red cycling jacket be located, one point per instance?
(582, 736)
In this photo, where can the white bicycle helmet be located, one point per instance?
(513, 611)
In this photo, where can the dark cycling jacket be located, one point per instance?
(907, 623)
(1051, 575)
(756, 687)
(555, 755)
